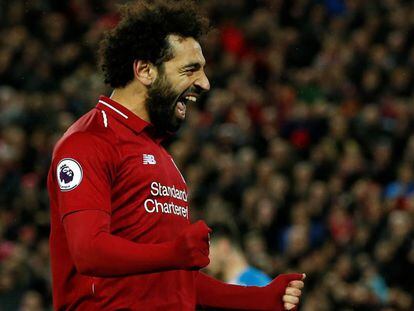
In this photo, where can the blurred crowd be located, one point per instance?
(304, 146)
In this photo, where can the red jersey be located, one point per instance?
(111, 160)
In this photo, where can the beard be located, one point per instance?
(161, 102)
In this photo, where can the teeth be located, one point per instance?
(192, 98)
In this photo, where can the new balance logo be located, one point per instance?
(148, 159)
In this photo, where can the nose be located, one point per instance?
(202, 82)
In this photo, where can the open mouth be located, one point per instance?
(182, 102)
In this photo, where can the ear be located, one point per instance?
(145, 72)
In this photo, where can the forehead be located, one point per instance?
(186, 50)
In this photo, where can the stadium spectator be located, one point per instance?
(228, 261)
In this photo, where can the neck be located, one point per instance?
(234, 266)
(133, 98)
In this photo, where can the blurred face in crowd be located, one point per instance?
(179, 82)
(405, 174)
(219, 251)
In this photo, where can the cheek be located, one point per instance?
(215, 254)
(212, 251)
(181, 83)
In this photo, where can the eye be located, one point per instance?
(190, 72)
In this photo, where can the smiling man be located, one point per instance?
(121, 238)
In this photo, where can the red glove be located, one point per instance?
(192, 246)
(212, 293)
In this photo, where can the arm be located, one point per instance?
(96, 252)
(215, 294)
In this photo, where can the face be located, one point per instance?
(216, 262)
(179, 83)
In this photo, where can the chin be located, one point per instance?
(175, 124)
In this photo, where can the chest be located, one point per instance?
(149, 191)
(143, 162)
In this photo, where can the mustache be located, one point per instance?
(192, 90)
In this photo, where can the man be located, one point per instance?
(120, 232)
(229, 262)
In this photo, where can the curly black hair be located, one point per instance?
(142, 34)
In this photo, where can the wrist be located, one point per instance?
(172, 253)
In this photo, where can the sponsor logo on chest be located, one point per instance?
(157, 203)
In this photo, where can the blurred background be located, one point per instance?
(303, 149)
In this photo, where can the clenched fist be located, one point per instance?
(286, 289)
(192, 246)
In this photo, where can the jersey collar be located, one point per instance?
(127, 117)
(122, 114)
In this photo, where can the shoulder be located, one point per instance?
(258, 273)
(88, 135)
(253, 276)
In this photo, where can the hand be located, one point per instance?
(293, 293)
(192, 246)
(286, 288)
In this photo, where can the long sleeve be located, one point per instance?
(96, 252)
(212, 293)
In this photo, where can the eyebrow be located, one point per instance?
(194, 65)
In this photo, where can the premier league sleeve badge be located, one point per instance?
(69, 174)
